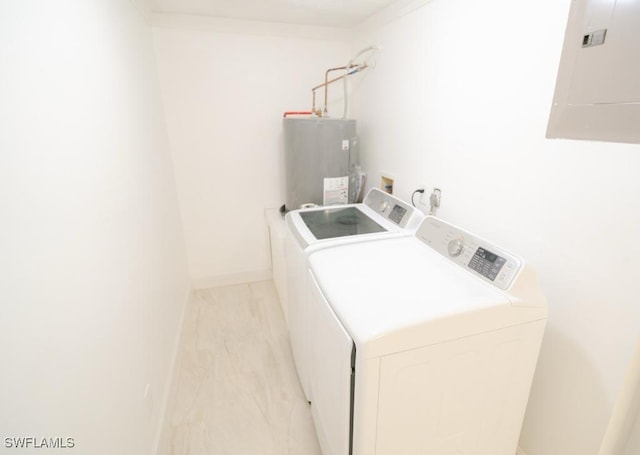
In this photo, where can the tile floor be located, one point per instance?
(237, 391)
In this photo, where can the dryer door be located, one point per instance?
(331, 375)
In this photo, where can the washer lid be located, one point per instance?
(399, 294)
(335, 222)
(378, 215)
(350, 229)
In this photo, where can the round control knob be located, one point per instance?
(383, 206)
(455, 247)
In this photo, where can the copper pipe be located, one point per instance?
(357, 68)
(326, 85)
(328, 82)
(297, 113)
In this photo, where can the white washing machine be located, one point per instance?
(379, 216)
(429, 348)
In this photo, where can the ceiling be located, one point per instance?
(331, 13)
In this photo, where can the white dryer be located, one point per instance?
(429, 348)
(379, 216)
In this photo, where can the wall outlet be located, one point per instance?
(435, 198)
(428, 201)
(421, 200)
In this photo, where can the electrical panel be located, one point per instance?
(597, 93)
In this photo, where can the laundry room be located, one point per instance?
(143, 189)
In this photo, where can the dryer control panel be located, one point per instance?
(479, 256)
(393, 209)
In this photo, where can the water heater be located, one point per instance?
(321, 161)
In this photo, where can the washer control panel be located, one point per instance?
(391, 208)
(480, 257)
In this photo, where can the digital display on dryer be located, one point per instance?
(487, 255)
(397, 213)
(487, 263)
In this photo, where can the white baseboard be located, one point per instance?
(231, 279)
(520, 451)
(162, 438)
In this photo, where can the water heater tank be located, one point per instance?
(320, 160)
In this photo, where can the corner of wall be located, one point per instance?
(162, 433)
(247, 27)
(394, 11)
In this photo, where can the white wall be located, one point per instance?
(459, 99)
(226, 85)
(93, 275)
